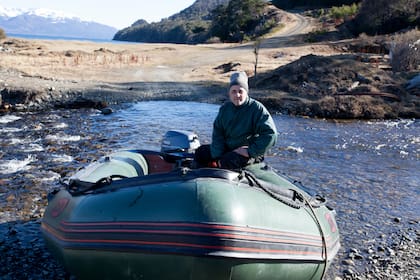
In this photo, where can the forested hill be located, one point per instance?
(188, 26)
(200, 9)
(207, 21)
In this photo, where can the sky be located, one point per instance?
(117, 13)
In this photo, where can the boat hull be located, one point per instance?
(124, 265)
(191, 224)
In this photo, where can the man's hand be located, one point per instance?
(243, 151)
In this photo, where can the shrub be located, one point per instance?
(344, 12)
(405, 51)
(239, 20)
(316, 35)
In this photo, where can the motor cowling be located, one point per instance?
(179, 141)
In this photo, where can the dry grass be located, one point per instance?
(83, 60)
(127, 62)
(405, 51)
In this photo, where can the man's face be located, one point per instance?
(237, 95)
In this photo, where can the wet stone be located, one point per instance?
(348, 262)
(348, 272)
(381, 248)
(358, 257)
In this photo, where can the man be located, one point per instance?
(243, 130)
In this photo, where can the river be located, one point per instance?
(368, 170)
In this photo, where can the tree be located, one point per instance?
(405, 51)
(237, 20)
(384, 16)
(257, 45)
(344, 12)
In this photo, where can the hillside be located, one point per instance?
(207, 21)
(187, 26)
(237, 21)
(200, 9)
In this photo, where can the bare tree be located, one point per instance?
(257, 45)
(405, 51)
(2, 34)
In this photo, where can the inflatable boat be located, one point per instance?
(140, 214)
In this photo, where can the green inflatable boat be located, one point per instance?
(143, 214)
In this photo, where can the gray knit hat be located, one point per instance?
(239, 78)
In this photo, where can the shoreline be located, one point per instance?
(100, 95)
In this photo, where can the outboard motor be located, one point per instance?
(179, 144)
(175, 141)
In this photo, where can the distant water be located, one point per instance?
(45, 37)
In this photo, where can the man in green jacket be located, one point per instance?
(243, 130)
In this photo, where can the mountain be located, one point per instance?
(5, 12)
(47, 22)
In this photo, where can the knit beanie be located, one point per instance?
(240, 79)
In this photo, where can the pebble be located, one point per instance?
(348, 262)
(381, 248)
(107, 111)
(348, 272)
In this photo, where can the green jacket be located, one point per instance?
(247, 125)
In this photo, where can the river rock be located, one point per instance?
(106, 110)
(414, 82)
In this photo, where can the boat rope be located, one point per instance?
(316, 200)
(295, 200)
(77, 187)
(324, 242)
(297, 196)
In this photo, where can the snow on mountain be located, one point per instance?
(40, 12)
(52, 14)
(6, 12)
(52, 23)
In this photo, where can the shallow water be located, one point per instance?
(368, 170)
